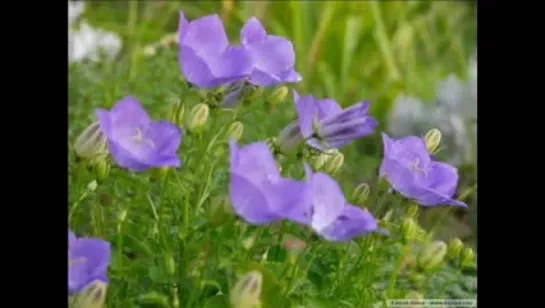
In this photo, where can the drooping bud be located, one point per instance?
(247, 290)
(433, 255)
(433, 140)
(412, 211)
(467, 257)
(102, 170)
(197, 117)
(455, 246)
(278, 96)
(290, 138)
(91, 142)
(334, 164)
(235, 130)
(361, 193)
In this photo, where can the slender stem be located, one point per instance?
(395, 273)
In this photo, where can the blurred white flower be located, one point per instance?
(454, 113)
(86, 42)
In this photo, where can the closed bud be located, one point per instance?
(278, 96)
(467, 257)
(290, 138)
(361, 193)
(102, 170)
(235, 130)
(170, 264)
(409, 227)
(433, 140)
(455, 246)
(253, 93)
(387, 217)
(93, 296)
(247, 290)
(197, 117)
(178, 112)
(412, 211)
(433, 255)
(334, 164)
(317, 161)
(91, 142)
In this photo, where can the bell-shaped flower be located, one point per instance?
(332, 217)
(273, 57)
(259, 194)
(408, 167)
(135, 141)
(88, 261)
(324, 124)
(206, 58)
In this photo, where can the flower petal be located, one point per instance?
(233, 64)
(114, 123)
(195, 70)
(306, 112)
(252, 31)
(327, 107)
(440, 177)
(295, 203)
(125, 158)
(273, 55)
(167, 138)
(253, 160)
(206, 37)
(353, 222)
(327, 201)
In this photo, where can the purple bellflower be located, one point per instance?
(273, 57)
(259, 194)
(88, 261)
(135, 141)
(324, 124)
(331, 216)
(408, 167)
(206, 58)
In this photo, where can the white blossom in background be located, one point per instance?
(85, 42)
(454, 113)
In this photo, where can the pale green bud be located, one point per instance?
(361, 193)
(414, 295)
(92, 186)
(278, 96)
(433, 140)
(178, 112)
(467, 257)
(418, 279)
(334, 164)
(387, 217)
(197, 117)
(170, 264)
(290, 138)
(318, 161)
(102, 170)
(253, 93)
(235, 130)
(91, 142)
(455, 246)
(412, 211)
(92, 297)
(409, 227)
(247, 290)
(149, 51)
(433, 255)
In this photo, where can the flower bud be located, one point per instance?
(467, 257)
(278, 96)
(290, 138)
(91, 142)
(149, 51)
(102, 170)
(170, 264)
(317, 161)
(433, 140)
(247, 290)
(235, 130)
(412, 211)
(334, 164)
(92, 186)
(433, 255)
(93, 296)
(252, 94)
(178, 112)
(409, 227)
(387, 217)
(361, 193)
(197, 117)
(455, 246)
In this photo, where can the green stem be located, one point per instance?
(395, 273)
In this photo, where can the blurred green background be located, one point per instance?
(350, 51)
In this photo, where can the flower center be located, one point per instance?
(139, 139)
